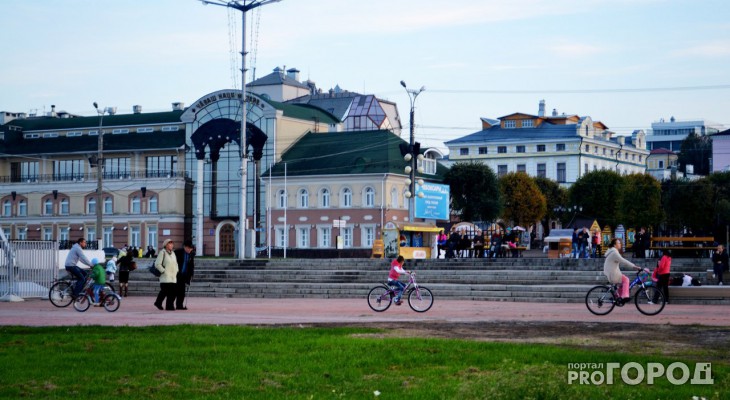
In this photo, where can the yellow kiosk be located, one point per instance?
(412, 240)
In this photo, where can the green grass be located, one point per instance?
(238, 362)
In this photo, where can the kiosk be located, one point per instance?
(412, 240)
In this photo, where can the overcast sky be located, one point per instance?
(627, 63)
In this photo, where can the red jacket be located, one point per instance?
(663, 268)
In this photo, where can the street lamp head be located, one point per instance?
(420, 157)
(408, 157)
(408, 169)
(403, 83)
(408, 194)
(96, 106)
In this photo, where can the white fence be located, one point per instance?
(27, 268)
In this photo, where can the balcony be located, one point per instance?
(73, 177)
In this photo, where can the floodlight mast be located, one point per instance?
(243, 6)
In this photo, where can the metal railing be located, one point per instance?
(27, 268)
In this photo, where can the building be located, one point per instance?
(662, 164)
(669, 135)
(721, 152)
(560, 147)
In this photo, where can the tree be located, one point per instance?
(688, 204)
(555, 196)
(524, 203)
(641, 201)
(475, 194)
(695, 150)
(599, 193)
(721, 185)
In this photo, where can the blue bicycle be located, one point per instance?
(649, 300)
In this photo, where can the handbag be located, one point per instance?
(132, 266)
(154, 271)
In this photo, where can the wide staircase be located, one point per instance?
(506, 279)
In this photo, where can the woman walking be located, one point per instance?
(166, 263)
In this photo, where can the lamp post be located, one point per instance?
(243, 6)
(100, 172)
(413, 154)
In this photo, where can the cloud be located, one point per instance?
(710, 50)
(576, 50)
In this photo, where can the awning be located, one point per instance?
(422, 228)
(413, 226)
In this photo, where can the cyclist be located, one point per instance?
(396, 269)
(74, 256)
(612, 271)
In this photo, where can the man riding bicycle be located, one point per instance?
(396, 269)
(74, 256)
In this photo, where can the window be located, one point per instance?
(464, 151)
(91, 205)
(521, 168)
(560, 147)
(47, 233)
(135, 205)
(135, 238)
(108, 205)
(160, 167)
(369, 197)
(281, 199)
(541, 170)
(482, 150)
(22, 208)
(6, 208)
(611, 152)
(24, 171)
(303, 238)
(588, 148)
(541, 148)
(118, 131)
(661, 164)
(585, 168)
(67, 170)
(604, 151)
(152, 236)
(48, 207)
(280, 238)
(117, 168)
(528, 123)
(90, 234)
(561, 173)
(324, 198)
(633, 157)
(93, 133)
(394, 198)
(22, 233)
(520, 149)
(50, 134)
(510, 124)
(346, 197)
(303, 198)
(501, 170)
(64, 207)
(501, 149)
(153, 205)
(145, 130)
(31, 136)
(368, 236)
(325, 237)
(171, 128)
(346, 234)
(63, 233)
(595, 149)
(107, 237)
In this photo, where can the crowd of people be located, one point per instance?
(479, 244)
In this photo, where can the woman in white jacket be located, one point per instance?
(611, 267)
(166, 263)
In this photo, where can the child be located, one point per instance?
(396, 269)
(99, 276)
(111, 269)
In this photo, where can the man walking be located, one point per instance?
(186, 261)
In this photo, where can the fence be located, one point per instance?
(27, 268)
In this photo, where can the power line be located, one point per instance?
(558, 91)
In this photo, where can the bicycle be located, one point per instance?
(649, 300)
(110, 301)
(61, 292)
(420, 298)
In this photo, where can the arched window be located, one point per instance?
(22, 208)
(48, 207)
(153, 205)
(369, 197)
(107, 205)
(346, 197)
(281, 199)
(303, 199)
(394, 198)
(91, 205)
(64, 207)
(135, 205)
(324, 198)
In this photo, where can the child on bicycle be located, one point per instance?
(396, 269)
(98, 274)
(611, 268)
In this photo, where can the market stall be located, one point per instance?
(412, 240)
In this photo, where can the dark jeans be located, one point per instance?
(180, 287)
(663, 285)
(167, 290)
(399, 291)
(80, 278)
(718, 270)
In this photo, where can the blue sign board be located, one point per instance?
(435, 201)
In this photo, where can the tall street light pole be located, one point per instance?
(412, 94)
(99, 173)
(243, 6)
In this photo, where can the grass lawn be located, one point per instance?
(240, 362)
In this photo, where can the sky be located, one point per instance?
(626, 63)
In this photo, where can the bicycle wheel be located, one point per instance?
(61, 294)
(649, 301)
(420, 299)
(111, 302)
(82, 303)
(600, 300)
(379, 298)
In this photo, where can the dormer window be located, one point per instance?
(510, 124)
(528, 123)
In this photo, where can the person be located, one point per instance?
(166, 263)
(99, 276)
(150, 252)
(584, 239)
(611, 268)
(661, 274)
(639, 243)
(513, 247)
(111, 268)
(575, 242)
(75, 256)
(125, 266)
(442, 243)
(453, 244)
(186, 262)
(139, 252)
(719, 263)
(478, 245)
(596, 243)
(396, 269)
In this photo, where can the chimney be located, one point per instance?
(541, 109)
(293, 73)
(621, 140)
(555, 112)
(178, 106)
(137, 109)
(53, 110)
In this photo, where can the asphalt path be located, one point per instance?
(139, 311)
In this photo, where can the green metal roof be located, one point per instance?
(345, 153)
(305, 112)
(46, 123)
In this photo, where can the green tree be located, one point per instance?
(688, 204)
(475, 194)
(555, 196)
(599, 193)
(721, 202)
(524, 202)
(695, 150)
(640, 203)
